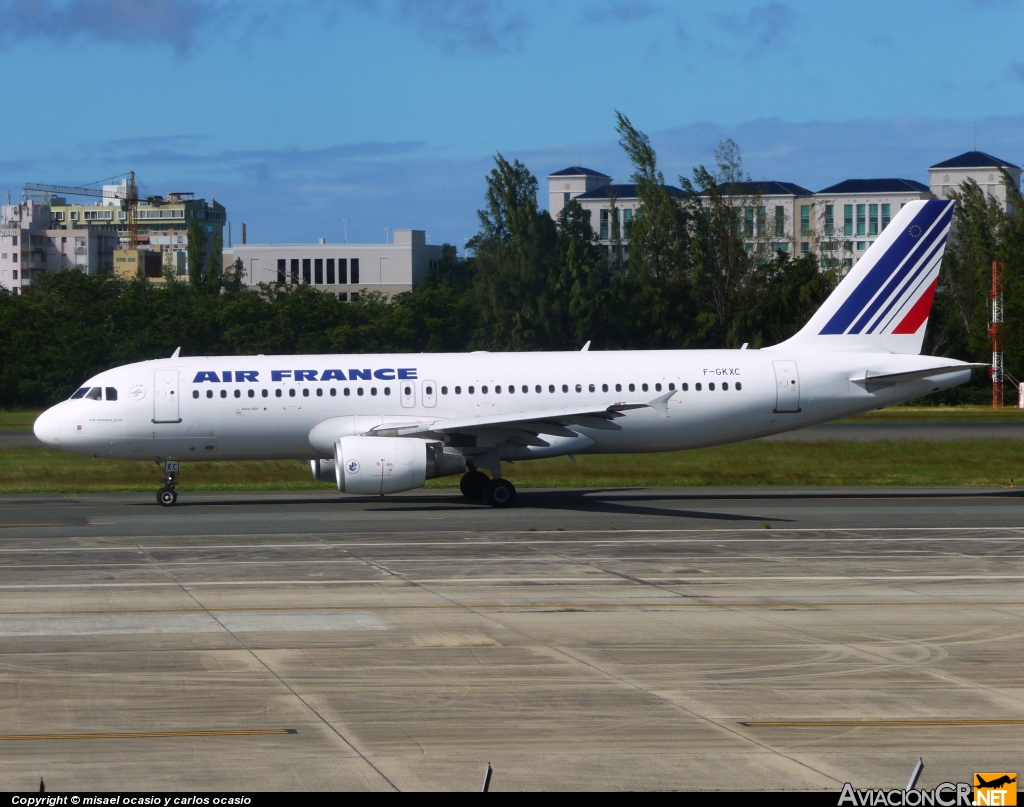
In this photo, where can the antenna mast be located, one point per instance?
(995, 332)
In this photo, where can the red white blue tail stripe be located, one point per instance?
(894, 296)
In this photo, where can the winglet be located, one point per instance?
(660, 404)
(586, 347)
(176, 353)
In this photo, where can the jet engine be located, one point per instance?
(374, 466)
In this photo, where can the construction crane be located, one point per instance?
(129, 195)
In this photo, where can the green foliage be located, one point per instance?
(196, 252)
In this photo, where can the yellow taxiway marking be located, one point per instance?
(850, 724)
(133, 735)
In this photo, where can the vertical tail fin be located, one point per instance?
(884, 302)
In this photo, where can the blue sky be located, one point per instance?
(298, 115)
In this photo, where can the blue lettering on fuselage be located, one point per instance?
(384, 374)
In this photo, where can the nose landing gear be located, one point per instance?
(167, 495)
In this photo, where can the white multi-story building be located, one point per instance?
(29, 245)
(977, 165)
(342, 269)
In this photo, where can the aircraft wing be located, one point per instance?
(530, 422)
(873, 382)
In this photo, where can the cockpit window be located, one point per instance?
(79, 393)
(95, 394)
(111, 394)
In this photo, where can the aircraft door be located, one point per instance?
(787, 386)
(165, 397)
(408, 390)
(429, 393)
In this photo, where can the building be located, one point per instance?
(846, 218)
(983, 168)
(837, 223)
(343, 269)
(162, 223)
(770, 211)
(30, 245)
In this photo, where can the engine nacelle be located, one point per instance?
(373, 466)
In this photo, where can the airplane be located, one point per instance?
(995, 783)
(380, 424)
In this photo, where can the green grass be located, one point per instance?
(940, 414)
(968, 462)
(17, 419)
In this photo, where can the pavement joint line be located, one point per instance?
(275, 675)
(137, 735)
(876, 723)
(522, 607)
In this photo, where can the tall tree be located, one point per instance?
(196, 253)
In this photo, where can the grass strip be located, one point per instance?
(956, 463)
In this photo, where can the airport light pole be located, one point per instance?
(345, 221)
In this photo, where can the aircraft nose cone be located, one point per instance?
(46, 428)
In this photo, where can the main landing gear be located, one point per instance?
(496, 492)
(167, 495)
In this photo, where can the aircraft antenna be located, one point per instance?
(995, 333)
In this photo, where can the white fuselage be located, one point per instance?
(174, 409)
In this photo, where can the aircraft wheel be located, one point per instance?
(474, 485)
(166, 497)
(501, 493)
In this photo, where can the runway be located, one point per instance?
(709, 638)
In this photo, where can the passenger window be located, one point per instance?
(79, 393)
(95, 394)
(685, 387)
(458, 390)
(347, 391)
(565, 387)
(305, 392)
(725, 386)
(739, 386)
(711, 386)
(277, 392)
(526, 388)
(430, 390)
(604, 388)
(319, 393)
(265, 393)
(551, 387)
(618, 387)
(291, 393)
(672, 386)
(470, 390)
(195, 393)
(579, 388)
(387, 390)
(657, 387)
(209, 393)
(592, 388)
(359, 390)
(643, 387)
(538, 388)
(497, 389)
(223, 393)
(511, 389)
(252, 393)
(334, 392)
(444, 390)
(483, 390)
(632, 387)
(238, 393)
(373, 390)
(697, 386)
(111, 394)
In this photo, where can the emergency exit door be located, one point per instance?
(165, 397)
(787, 386)
(408, 391)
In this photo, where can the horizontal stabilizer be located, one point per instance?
(873, 382)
